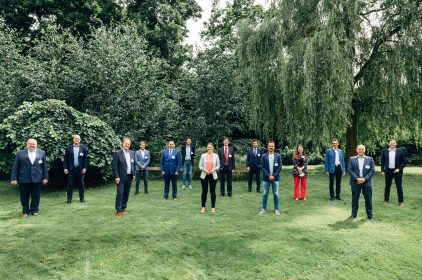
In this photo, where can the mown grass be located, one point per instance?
(170, 240)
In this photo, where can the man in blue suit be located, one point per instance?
(335, 168)
(253, 161)
(124, 171)
(361, 169)
(170, 162)
(188, 156)
(271, 166)
(393, 161)
(30, 171)
(75, 164)
(142, 159)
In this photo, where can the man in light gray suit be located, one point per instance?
(142, 159)
(361, 169)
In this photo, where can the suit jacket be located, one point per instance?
(142, 161)
(120, 166)
(277, 166)
(25, 172)
(68, 160)
(330, 157)
(367, 172)
(231, 160)
(401, 159)
(170, 164)
(192, 153)
(251, 160)
(203, 165)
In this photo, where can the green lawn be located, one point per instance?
(170, 240)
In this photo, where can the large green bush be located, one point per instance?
(53, 123)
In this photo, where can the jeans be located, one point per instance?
(138, 180)
(274, 186)
(187, 172)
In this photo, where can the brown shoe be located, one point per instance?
(385, 202)
(119, 215)
(164, 198)
(174, 198)
(401, 205)
(125, 211)
(213, 210)
(202, 210)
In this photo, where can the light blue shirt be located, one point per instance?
(271, 163)
(76, 156)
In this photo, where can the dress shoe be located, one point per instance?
(202, 210)
(249, 190)
(331, 198)
(339, 198)
(223, 195)
(371, 219)
(119, 215)
(136, 193)
(385, 202)
(165, 198)
(229, 195)
(24, 216)
(213, 210)
(125, 211)
(258, 191)
(352, 217)
(35, 214)
(401, 205)
(146, 192)
(82, 200)
(69, 201)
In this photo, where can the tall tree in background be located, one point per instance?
(348, 69)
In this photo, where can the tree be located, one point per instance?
(347, 69)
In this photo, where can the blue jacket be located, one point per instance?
(142, 161)
(170, 164)
(25, 172)
(69, 159)
(119, 164)
(330, 157)
(367, 172)
(265, 166)
(254, 161)
(192, 153)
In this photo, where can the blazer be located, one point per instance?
(253, 161)
(192, 153)
(142, 161)
(265, 166)
(25, 172)
(69, 159)
(330, 157)
(367, 172)
(170, 165)
(401, 159)
(120, 166)
(203, 165)
(231, 160)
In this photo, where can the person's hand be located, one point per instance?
(14, 182)
(117, 180)
(83, 170)
(44, 182)
(383, 173)
(176, 173)
(396, 170)
(66, 171)
(328, 173)
(162, 173)
(133, 179)
(248, 168)
(344, 173)
(142, 167)
(207, 172)
(271, 178)
(233, 172)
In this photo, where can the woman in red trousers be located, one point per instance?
(300, 172)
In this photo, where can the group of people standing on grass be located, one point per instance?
(30, 171)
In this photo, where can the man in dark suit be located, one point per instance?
(75, 164)
(188, 155)
(253, 160)
(124, 171)
(30, 170)
(271, 166)
(361, 169)
(170, 161)
(227, 166)
(393, 161)
(335, 168)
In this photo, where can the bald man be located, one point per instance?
(30, 171)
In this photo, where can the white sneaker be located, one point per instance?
(277, 213)
(262, 211)
(190, 186)
(183, 186)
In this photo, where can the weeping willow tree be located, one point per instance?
(347, 69)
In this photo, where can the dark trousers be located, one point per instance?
(337, 175)
(226, 173)
(254, 171)
(122, 195)
(209, 180)
(144, 174)
(367, 194)
(389, 176)
(30, 191)
(75, 178)
(167, 178)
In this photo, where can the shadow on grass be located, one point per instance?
(347, 224)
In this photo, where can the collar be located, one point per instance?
(390, 149)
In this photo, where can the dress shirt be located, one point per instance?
(128, 162)
(361, 161)
(187, 156)
(75, 156)
(271, 163)
(337, 159)
(32, 156)
(392, 158)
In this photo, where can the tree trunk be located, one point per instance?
(352, 133)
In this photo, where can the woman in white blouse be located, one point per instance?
(209, 164)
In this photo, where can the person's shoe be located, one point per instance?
(136, 193)
(125, 211)
(385, 202)
(165, 198)
(146, 192)
(262, 211)
(213, 210)
(297, 198)
(352, 217)
(331, 198)
(276, 212)
(174, 198)
(258, 191)
(371, 219)
(229, 195)
(190, 186)
(401, 205)
(119, 215)
(202, 210)
(183, 186)
(24, 216)
(35, 214)
(69, 201)
(338, 198)
(223, 195)
(82, 200)
(304, 198)
(249, 191)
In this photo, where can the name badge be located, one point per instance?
(259, 155)
(276, 164)
(131, 160)
(230, 155)
(40, 161)
(173, 157)
(191, 153)
(81, 154)
(367, 166)
(145, 157)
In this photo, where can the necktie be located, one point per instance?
(170, 152)
(226, 154)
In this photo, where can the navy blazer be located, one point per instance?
(367, 172)
(192, 153)
(68, 160)
(119, 164)
(401, 159)
(170, 164)
(330, 157)
(253, 161)
(142, 161)
(231, 163)
(265, 166)
(25, 172)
